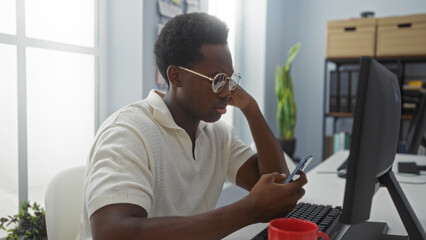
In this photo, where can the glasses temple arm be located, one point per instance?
(199, 74)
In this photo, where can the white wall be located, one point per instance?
(264, 44)
(124, 53)
(252, 55)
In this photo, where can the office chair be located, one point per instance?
(64, 202)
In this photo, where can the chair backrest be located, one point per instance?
(63, 204)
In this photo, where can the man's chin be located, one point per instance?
(212, 119)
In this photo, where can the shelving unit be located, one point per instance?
(397, 64)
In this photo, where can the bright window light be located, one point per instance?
(60, 106)
(63, 21)
(8, 16)
(8, 132)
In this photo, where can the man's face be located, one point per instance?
(196, 95)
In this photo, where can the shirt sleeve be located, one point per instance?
(119, 170)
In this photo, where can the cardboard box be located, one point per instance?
(401, 36)
(351, 38)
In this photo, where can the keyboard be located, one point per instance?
(325, 216)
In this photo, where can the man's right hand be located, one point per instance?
(271, 198)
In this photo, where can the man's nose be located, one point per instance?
(225, 92)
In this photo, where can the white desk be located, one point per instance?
(324, 187)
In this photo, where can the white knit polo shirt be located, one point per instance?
(140, 156)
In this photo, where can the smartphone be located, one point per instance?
(300, 167)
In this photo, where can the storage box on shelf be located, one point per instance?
(401, 36)
(351, 38)
(393, 41)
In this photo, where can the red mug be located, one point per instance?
(294, 229)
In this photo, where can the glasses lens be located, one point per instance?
(219, 82)
(233, 82)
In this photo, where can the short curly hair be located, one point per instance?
(179, 42)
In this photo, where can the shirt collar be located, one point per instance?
(162, 113)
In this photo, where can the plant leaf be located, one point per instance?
(286, 106)
(292, 54)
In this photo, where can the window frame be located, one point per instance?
(21, 41)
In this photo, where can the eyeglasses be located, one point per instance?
(219, 81)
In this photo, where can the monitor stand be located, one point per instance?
(342, 169)
(370, 231)
(374, 230)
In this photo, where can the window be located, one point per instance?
(50, 75)
(8, 131)
(60, 113)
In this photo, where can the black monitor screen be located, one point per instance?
(374, 140)
(375, 134)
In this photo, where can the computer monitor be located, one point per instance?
(373, 147)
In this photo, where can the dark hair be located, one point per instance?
(179, 42)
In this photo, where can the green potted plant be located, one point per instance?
(29, 223)
(286, 106)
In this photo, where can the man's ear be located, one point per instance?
(174, 76)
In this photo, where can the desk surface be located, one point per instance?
(324, 187)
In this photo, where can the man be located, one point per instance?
(157, 167)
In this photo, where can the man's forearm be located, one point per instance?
(269, 152)
(215, 224)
